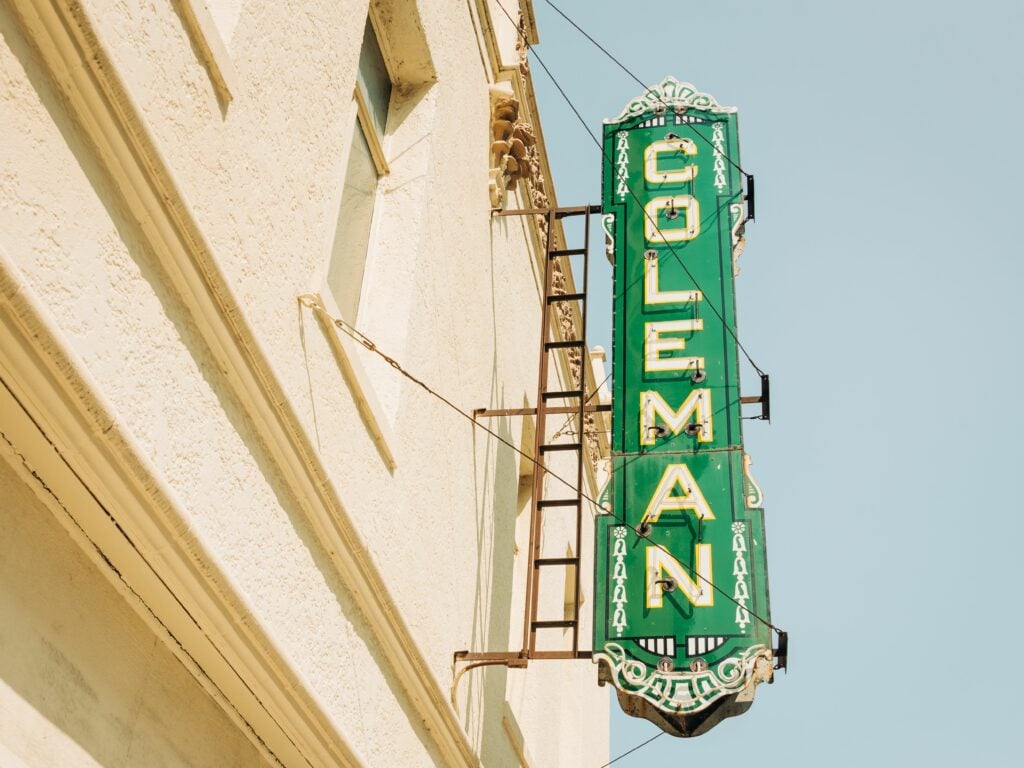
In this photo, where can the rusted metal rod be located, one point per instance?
(558, 212)
(533, 411)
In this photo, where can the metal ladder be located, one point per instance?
(574, 401)
(543, 451)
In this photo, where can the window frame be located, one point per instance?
(363, 121)
(345, 349)
(377, 143)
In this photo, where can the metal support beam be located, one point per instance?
(516, 660)
(481, 412)
(765, 399)
(558, 212)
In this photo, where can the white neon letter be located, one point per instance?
(683, 204)
(661, 564)
(653, 405)
(655, 345)
(654, 295)
(684, 146)
(691, 499)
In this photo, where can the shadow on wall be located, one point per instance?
(499, 504)
(503, 489)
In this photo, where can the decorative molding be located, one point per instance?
(671, 94)
(533, 175)
(132, 527)
(355, 376)
(511, 142)
(210, 48)
(686, 692)
(527, 22)
(515, 737)
(45, 471)
(76, 61)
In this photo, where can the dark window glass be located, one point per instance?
(374, 81)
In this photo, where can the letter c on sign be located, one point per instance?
(681, 176)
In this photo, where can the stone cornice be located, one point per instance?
(79, 66)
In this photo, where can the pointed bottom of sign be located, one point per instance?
(686, 703)
(687, 725)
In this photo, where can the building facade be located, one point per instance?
(233, 533)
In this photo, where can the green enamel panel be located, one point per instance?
(680, 561)
(678, 532)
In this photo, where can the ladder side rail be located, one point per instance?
(583, 437)
(540, 467)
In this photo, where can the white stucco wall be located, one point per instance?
(449, 291)
(83, 682)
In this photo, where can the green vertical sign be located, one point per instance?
(682, 597)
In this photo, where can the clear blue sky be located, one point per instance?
(881, 290)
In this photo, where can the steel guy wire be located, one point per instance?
(634, 749)
(713, 214)
(358, 336)
(572, 416)
(643, 85)
(632, 193)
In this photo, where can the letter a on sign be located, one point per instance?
(677, 476)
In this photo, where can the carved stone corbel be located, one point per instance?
(511, 145)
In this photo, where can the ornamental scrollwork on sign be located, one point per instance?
(741, 592)
(608, 223)
(619, 576)
(671, 94)
(718, 142)
(739, 220)
(687, 692)
(621, 165)
(753, 496)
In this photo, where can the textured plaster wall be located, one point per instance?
(83, 681)
(82, 256)
(448, 291)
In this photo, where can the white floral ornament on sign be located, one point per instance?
(671, 94)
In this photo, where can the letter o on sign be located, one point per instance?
(686, 204)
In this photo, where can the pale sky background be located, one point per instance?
(881, 289)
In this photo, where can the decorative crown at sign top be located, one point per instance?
(670, 94)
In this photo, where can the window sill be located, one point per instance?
(211, 49)
(346, 351)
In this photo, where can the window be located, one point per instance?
(374, 82)
(392, 109)
(363, 171)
